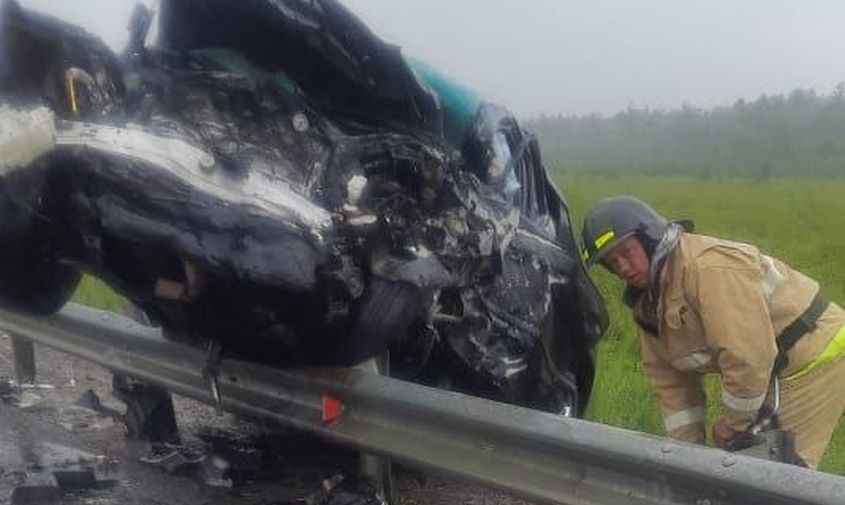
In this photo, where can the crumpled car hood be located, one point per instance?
(296, 192)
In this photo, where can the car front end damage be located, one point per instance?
(295, 192)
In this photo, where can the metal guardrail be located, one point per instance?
(522, 451)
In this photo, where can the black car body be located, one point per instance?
(272, 177)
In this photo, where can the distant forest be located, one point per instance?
(801, 134)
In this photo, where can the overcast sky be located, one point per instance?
(587, 56)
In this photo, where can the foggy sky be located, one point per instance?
(588, 56)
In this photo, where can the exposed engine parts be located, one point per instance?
(296, 193)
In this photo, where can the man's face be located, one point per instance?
(629, 262)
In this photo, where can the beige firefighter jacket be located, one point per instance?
(720, 307)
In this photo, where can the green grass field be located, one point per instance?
(802, 222)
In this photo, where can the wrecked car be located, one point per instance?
(271, 177)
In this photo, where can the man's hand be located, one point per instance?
(722, 433)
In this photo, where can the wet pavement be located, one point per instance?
(62, 441)
(41, 462)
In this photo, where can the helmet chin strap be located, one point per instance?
(666, 245)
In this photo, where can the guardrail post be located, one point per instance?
(24, 351)
(373, 466)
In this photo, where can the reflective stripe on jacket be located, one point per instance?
(720, 306)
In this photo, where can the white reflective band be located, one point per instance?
(742, 404)
(772, 278)
(694, 361)
(683, 418)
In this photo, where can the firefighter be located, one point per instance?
(707, 305)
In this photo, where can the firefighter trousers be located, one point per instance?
(811, 406)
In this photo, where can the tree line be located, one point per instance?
(801, 134)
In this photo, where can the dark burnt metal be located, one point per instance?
(295, 193)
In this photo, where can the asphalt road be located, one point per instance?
(54, 448)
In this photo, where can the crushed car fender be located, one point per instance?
(296, 193)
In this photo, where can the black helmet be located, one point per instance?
(612, 220)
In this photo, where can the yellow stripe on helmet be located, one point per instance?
(604, 238)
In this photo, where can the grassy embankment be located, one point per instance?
(802, 222)
(799, 221)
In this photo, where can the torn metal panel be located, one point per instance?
(340, 65)
(195, 168)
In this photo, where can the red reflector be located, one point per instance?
(332, 408)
